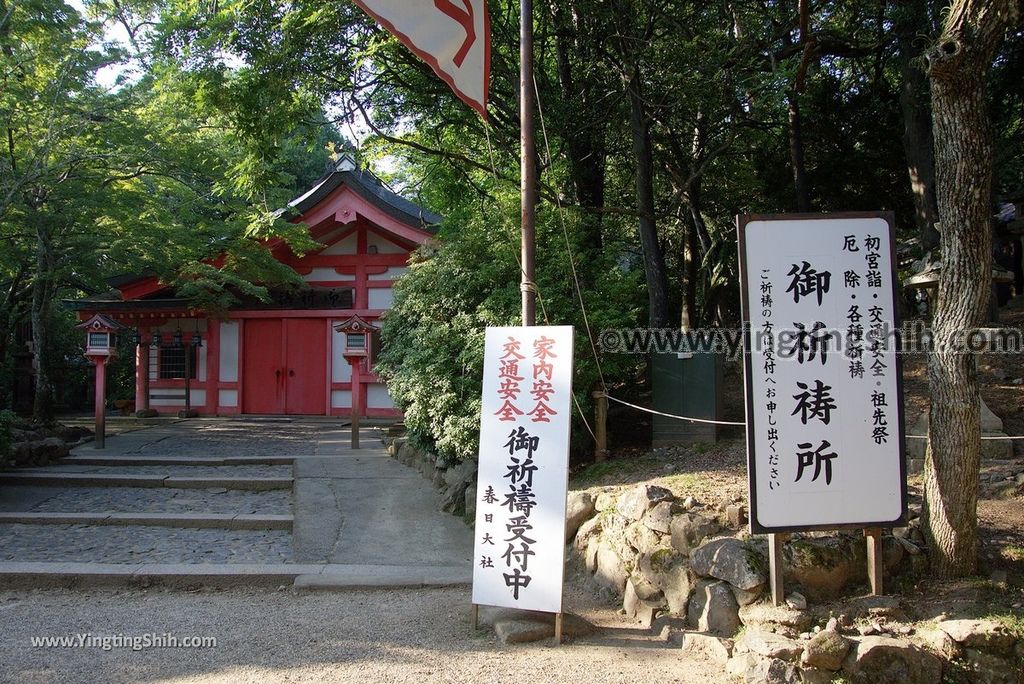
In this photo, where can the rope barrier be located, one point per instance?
(729, 422)
(669, 415)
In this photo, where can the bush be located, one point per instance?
(433, 338)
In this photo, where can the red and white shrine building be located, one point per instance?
(284, 357)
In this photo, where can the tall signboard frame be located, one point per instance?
(523, 468)
(823, 377)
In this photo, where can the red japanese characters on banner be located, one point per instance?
(523, 468)
(543, 370)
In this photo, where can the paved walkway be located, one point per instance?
(287, 495)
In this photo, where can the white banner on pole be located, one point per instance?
(452, 36)
(823, 379)
(523, 474)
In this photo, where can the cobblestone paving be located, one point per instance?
(84, 543)
(172, 471)
(240, 439)
(151, 500)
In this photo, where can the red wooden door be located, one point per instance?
(306, 366)
(263, 383)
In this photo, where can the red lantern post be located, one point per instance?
(357, 349)
(100, 347)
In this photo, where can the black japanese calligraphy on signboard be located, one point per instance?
(825, 422)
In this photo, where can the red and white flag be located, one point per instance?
(452, 36)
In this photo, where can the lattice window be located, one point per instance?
(172, 362)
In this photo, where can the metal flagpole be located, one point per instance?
(528, 183)
(528, 161)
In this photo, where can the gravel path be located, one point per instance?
(358, 636)
(145, 500)
(142, 544)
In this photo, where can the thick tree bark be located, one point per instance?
(796, 154)
(958, 66)
(585, 147)
(912, 21)
(654, 257)
(42, 297)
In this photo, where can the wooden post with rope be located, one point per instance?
(600, 426)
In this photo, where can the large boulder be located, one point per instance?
(642, 600)
(987, 668)
(39, 452)
(771, 671)
(730, 560)
(589, 530)
(635, 502)
(641, 538)
(579, 507)
(769, 645)
(610, 570)
(669, 571)
(659, 517)
(824, 567)
(689, 530)
(826, 650)
(453, 483)
(713, 609)
(985, 635)
(878, 660)
(711, 647)
(782, 619)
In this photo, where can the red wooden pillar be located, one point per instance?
(212, 382)
(101, 400)
(142, 376)
(357, 404)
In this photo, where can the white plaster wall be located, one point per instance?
(227, 398)
(383, 245)
(347, 246)
(198, 398)
(393, 273)
(341, 399)
(341, 370)
(377, 396)
(380, 297)
(228, 352)
(324, 273)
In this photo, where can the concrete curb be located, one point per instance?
(15, 575)
(100, 480)
(227, 521)
(342, 577)
(174, 460)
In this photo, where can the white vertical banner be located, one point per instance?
(519, 557)
(823, 378)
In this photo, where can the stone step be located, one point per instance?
(301, 576)
(175, 460)
(58, 479)
(229, 521)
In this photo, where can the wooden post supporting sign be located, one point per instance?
(876, 569)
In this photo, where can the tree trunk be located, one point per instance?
(654, 257)
(911, 20)
(42, 297)
(958, 66)
(585, 148)
(796, 154)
